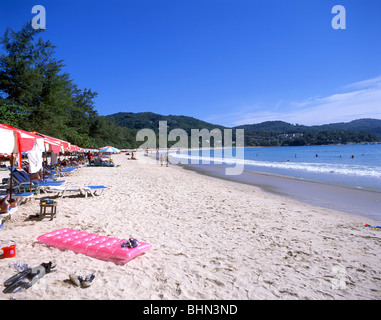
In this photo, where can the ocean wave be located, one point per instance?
(341, 169)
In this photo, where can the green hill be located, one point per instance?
(268, 133)
(372, 126)
(365, 125)
(273, 127)
(150, 120)
(275, 133)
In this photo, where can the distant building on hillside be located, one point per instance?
(290, 135)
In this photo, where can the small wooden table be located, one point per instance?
(44, 213)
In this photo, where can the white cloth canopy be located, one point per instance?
(7, 141)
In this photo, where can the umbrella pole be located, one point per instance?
(51, 165)
(11, 181)
(43, 167)
(30, 179)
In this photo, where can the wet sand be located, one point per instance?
(366, 203)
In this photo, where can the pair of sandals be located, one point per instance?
(82, 282)
(131, 243)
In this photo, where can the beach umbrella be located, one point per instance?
(75, 148)
(26, 140)
(16, 141)
(50, 144)
(109, 149)
(8, 141)
(8, 146)
(53, 145)
(65, 146)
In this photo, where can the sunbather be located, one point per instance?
(13, 203)
(4, 205)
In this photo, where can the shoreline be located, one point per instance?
(356, 201)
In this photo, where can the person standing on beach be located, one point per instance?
(166, 159)
(89, 157)
(161, 160)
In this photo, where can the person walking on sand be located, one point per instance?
(166, 159)
(161, 160)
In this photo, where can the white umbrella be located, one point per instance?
(109, 149)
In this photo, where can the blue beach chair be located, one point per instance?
(26, 184)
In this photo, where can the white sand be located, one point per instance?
(211, 239)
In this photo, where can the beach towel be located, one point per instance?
(54, 158)
(35, 159)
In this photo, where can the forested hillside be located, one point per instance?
(151, 120)
(275, 133)
(269, 133)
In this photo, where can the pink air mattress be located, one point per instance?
(93, 245)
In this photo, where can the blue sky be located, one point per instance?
(228, 62)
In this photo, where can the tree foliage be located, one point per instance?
(37, 94)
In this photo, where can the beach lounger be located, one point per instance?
(102, 164)
(26, 176)
(71, 187)
(68, 187)
(62, 172)
(25, 184)
(93, 190)
(5, 216)
(22, 196)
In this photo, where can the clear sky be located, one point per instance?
(228, 62)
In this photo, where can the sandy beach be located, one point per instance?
(211, 239)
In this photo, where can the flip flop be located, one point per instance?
(80, 282)
(88, 280)
(27, 278)
(75, 279)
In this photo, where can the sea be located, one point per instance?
(352, 170)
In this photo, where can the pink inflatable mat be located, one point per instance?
(93, 245)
